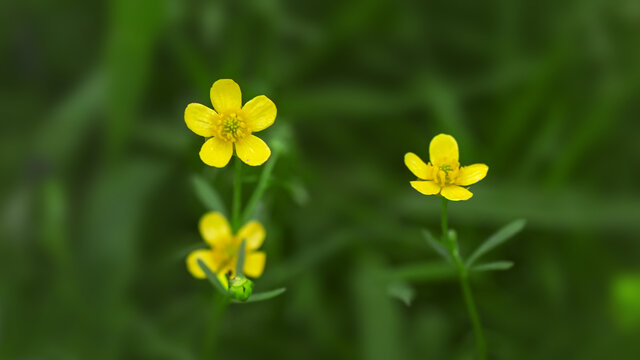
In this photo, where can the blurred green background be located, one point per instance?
(98, 208)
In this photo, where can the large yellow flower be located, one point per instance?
(231, 124)
(223, 255)
(443, 174)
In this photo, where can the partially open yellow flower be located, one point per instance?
(443, 174)
(223, 255)
(231, 124)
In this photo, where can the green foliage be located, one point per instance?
(208, 195)
(625, 295)
(435, 244)
(97, 197)
(402, 291)
(423, 272)
(502, 235)
(213, 279)
(241, 256)
(243, 290)
(494, 265)
(266, 295)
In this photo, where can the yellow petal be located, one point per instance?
(426, 187)
(192, 262)
(443, 149)
(214, 228)
(254, 263)
(456, 193)
(226, 96)
(222, 277)
(252, 150)
(200, 119)
(226, 266)
(216, 152)
(253, 234)
(260, 113)
(471, 174)
(418, 167)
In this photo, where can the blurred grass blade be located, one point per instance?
(262, 296)
(213, 279)
(379, 320)
(208, 195)
(502, 235)
(314, 255)
(493, 266)
(241, 256)
(427, 272)
(402, 291)
(435, 244)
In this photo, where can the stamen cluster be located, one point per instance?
(231, 127)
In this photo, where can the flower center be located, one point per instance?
(445, 174)
(231, 127)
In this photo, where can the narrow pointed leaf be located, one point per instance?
(208, 195)
(241, 256)
(493, 266)
(435, 244)
(213, 279)
(262, 296)
(402, 291)
(263, 184)
(502, 235)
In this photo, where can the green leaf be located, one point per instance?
(240, 262)
(213, 279)
(262, 296)
(401, 291)
(435, 244)
(263, 184)
(493, 266)
(208, 195)
(500, 236)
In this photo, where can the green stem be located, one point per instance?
(237, 195)
(445, 226)
(218, 309)
(463, 275)
(263, 184)
(475, 318)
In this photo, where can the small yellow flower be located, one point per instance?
(443, 174)
(223, 255)
(231, 124)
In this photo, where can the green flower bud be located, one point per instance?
(240, 288)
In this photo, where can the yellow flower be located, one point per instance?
(443, 174)
(223, 255)
(231, 124)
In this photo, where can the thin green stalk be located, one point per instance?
(473, 314)
(463, 275)
(221, 303)
(237, 195)
(218, 309)
(263, 184)
(445, 225)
